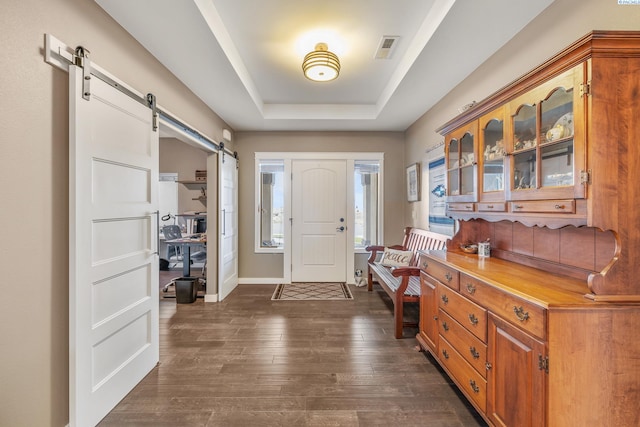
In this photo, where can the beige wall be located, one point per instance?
(562, 23)
(252, 265)
(34, 192)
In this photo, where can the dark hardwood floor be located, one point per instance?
(250, 361)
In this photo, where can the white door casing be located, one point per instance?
(228, 224)
(113, 260)
(319, 221)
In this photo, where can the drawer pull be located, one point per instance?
(445, 326)
(425, 264)
(468, 206)
(445, 354)
(435, 318)
(520, 313)
(488, 366)
(471, 289)
(474, 353)
(559, 206)
(489, 206)
(518, 206)
(473, 319)
(474, 387)
(448, 276)
(444, 299)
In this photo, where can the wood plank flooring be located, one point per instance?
(250, 361)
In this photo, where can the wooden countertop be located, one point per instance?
(537, 286)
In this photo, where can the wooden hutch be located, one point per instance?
(546, 331)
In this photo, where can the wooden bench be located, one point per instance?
(402, 284)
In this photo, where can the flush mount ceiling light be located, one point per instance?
(321, 65)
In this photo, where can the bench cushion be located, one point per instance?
(384, 273)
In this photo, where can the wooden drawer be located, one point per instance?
(440, 272)
(545, 206)
(521, 313)
(470, 315)
(460, 207)
(492, 207)
(471, 348)
(469, 381)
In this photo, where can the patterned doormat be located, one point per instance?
(312, 291)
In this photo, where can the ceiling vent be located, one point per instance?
(386, 47)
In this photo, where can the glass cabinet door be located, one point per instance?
(492, 155)
(547, 146)
(460, 149)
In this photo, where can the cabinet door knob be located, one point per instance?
(520, 313)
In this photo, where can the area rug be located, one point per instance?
(312, 291)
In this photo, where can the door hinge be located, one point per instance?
(543, 363)
(81, 59)
(585, 88)
(151, 103)
(585, 176)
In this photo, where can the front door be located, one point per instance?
(113, 244)
(319, 214)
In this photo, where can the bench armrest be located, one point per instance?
(405, 271)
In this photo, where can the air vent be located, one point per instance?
(386, 47)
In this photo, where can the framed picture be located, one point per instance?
(413, 182)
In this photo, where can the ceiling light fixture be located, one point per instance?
(321, 65)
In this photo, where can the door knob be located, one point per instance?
(341, 228)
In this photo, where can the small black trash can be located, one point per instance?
(186, 289)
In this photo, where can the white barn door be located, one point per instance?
(113, 261)
(228, 224)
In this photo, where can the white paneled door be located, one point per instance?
(319, 214)
(113, 261)
(228, 224)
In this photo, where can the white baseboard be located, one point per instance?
(210, 297)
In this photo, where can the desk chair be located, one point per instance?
(174, 250)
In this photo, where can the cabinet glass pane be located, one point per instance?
(454, 186)
(524, 128)
(466, 186)
(454, 154)
(467, 156)
(493, 157)
(557, 164)
(524, 171)
(557, 116)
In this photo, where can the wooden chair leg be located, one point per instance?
(369, 281)
(398, 317)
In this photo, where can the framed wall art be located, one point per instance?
(413, 182)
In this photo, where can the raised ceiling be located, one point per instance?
(243, 57)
